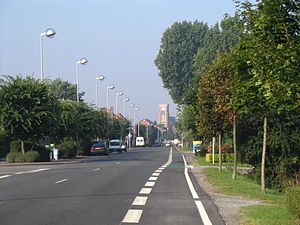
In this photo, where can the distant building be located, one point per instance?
(163, 118)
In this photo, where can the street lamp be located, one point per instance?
(124, 100)
(101, 77)
(49, 33)
(120, 93)
(134, 110)
(110, 87)
(82, 61)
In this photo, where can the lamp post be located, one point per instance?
(110, 87)
(49, 33)
(134, 110)
(82, 61)
(120, 93)
(124, 100)
(101, 77)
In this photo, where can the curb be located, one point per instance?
(4, 164)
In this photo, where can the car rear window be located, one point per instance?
(115, 143)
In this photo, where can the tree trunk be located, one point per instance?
(263, 158)
(234, 150)
(22, 147)
(220, 154)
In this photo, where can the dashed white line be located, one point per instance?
(161, 168)
(155, 174)
(153, 178)
(32, 171)
(146, 191)
(60, 181)
(149, 184)
(133, 216)
(96, 169)
(4, 176)
(139, 200)
(158, 171)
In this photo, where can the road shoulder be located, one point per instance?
(228, 206)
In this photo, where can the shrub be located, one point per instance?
(19, 157)
(43, 152)
(67, 149)
(293, 201)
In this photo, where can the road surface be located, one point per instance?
(149, 186)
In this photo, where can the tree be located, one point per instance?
(179, 45)
(64, 90)
(27, 109)
(271, 44)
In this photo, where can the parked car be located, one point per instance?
(99, 148)
(116, 146)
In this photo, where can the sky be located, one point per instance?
(120, 39)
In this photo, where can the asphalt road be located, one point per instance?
(143, 186)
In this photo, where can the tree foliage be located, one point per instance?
(27, 108)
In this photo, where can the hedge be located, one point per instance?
(293, 201)
(19, 157)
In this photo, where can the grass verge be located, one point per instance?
(198, 160)
(274, 212)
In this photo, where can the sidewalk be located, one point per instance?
(79, 159)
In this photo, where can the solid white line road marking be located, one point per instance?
(153, 178)
(158, 171)
(149, 184)
(32, 171)
(203, 214)
(60, 181)
(188, 180)
(201, 209)
(96, 169)
(140, 200)
(146, 191)
(133, 216)
(4, 176)
(155, 174)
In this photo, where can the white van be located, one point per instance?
(140, 142)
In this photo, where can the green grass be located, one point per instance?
(276, 214)
(200, 161)
(273, 212)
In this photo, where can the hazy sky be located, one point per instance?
(120, 38)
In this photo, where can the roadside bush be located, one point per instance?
(19, 157)
(67, 149)
(4, 144)
(43, 153)
(293, 201)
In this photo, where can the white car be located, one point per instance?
(116, 146)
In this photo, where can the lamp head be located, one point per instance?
(50, 32)
(82, 61)
(101, 77)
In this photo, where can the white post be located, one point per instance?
(77, 78)
(116, 104)
(213, 150)
(97, 94)
(42, 57)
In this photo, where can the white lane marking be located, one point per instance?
(60, 181)
(32, 171)
(155, 174)
(96, 169)
(4, 176)
(200, 207)
(158, 171)
(133, 216)
(163, 166)
(139, 200)
(203, 214)
(146, 191)
(188, 180)
(160, 168)
(118, 163)
(149, 184)
(153, 178)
